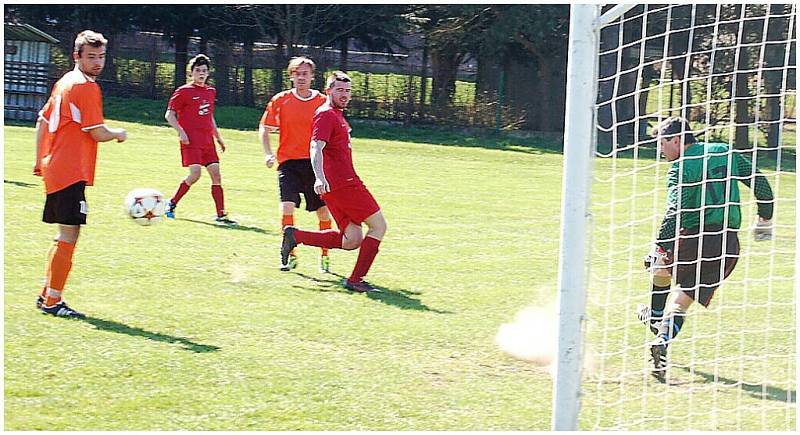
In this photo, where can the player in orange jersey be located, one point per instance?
(67, 132)
(291, 113)
(191, 114)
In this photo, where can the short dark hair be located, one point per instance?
(673, 126)
(199, 60)
(89, 37)
(336, 76)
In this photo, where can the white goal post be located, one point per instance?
(730, 70)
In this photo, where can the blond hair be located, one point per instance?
(295, 63)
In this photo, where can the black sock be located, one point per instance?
(671, 325)
(658, 299)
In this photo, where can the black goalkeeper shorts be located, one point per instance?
(704, 271)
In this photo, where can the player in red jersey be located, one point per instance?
(339, 186)
(67, 132)
(291, 112)
(191, 113)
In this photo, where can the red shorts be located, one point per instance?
(192, 155)
(350, 204)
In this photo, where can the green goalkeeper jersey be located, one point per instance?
(705, 181)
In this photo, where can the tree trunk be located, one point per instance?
(445, 67)
(774, 56)
(280, 64)
(153, 68)
(222, 58)
(249, 99)
(181, 58)
(742, 111)
(423, 86)
(344, 53)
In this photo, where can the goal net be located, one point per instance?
(730, 71)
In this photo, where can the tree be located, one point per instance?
(450, 31)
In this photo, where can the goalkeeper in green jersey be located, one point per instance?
(697, 244)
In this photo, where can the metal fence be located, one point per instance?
(387, 87)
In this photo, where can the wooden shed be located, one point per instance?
(25, 72)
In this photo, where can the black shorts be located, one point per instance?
(717, 244)
(67, 206)
(296, 177)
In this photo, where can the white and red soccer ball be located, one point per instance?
(145, 206)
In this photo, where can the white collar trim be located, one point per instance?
(84, 74)
(314, 93)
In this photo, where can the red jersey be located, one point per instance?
(68, 152)
(194, 106)
(292, 115)
(337, 156)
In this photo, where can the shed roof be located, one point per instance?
(26, 32)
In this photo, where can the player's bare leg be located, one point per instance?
(324, 216)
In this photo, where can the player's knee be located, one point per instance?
(352, 241)
(677, 309)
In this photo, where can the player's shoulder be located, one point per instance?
(324, 110)
(282, 96)
(717, 147)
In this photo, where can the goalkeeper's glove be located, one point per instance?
(658, 262)
(763, 229)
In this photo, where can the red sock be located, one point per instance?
(366, 255)
(322, 239)
(287, 220)
(219, 198)
(182, 189)
(324, 225)
(60, 263)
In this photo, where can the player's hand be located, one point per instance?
(321, 187)
(183, 137)
(122, 135)
(763, 230)
(269, 159)
(37, 169)
(658, 262)
(221, 144)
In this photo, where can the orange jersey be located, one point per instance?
(67, 152)
(292, 115)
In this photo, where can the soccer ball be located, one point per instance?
(145, 206)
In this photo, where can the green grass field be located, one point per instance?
(192, 326)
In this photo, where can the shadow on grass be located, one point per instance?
(227, 227)
(121, 328)
(758, 391)
(19, 183)
(400, 298)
